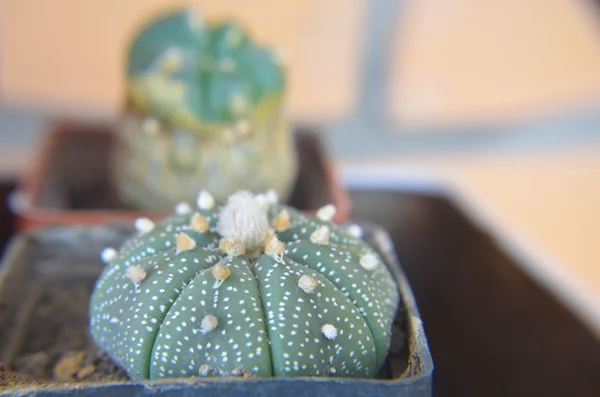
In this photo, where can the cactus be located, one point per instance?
(204, 110)
(184, 71)
(250, 287)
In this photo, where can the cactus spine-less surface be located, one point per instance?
(248, 287)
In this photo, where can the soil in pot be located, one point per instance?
(56, 345)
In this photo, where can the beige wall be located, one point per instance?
(70, 52)
(454, 61)
(489, 60)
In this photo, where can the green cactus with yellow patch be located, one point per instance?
(205, 110)
(250, 287)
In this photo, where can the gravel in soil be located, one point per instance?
(56, 345)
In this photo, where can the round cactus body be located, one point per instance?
(251, 287)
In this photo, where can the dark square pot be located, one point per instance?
(45, 282)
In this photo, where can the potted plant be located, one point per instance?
(234, 262)
(205, 109)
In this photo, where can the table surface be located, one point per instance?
(545, 203)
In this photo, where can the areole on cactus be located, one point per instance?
(250, 287)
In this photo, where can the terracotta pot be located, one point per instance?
(69, 181)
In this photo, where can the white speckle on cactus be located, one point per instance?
(205, 200)
(220, 272)
(320, 236)
(243, 219)
(199, 223)
(272, 196)
(108, 254)
(203, 370)
(183, 208)
(261, 199)
(274, 247)
(355, 231)
(369, 261)
(329, 331)
(184, 242)
(282, 221)
(227, 65)
(327, 212)
(172, 60)
(238, 104)
(208, 323)
(144, 225)
(150, 126)
(307, 283)
(136, 274)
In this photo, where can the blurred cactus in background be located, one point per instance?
(204, 110)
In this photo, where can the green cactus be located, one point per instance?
(186, 72)
(205, 110)
(251, 287)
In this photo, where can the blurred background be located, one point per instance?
(497, 102)
(450, 62)
(502, 94)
